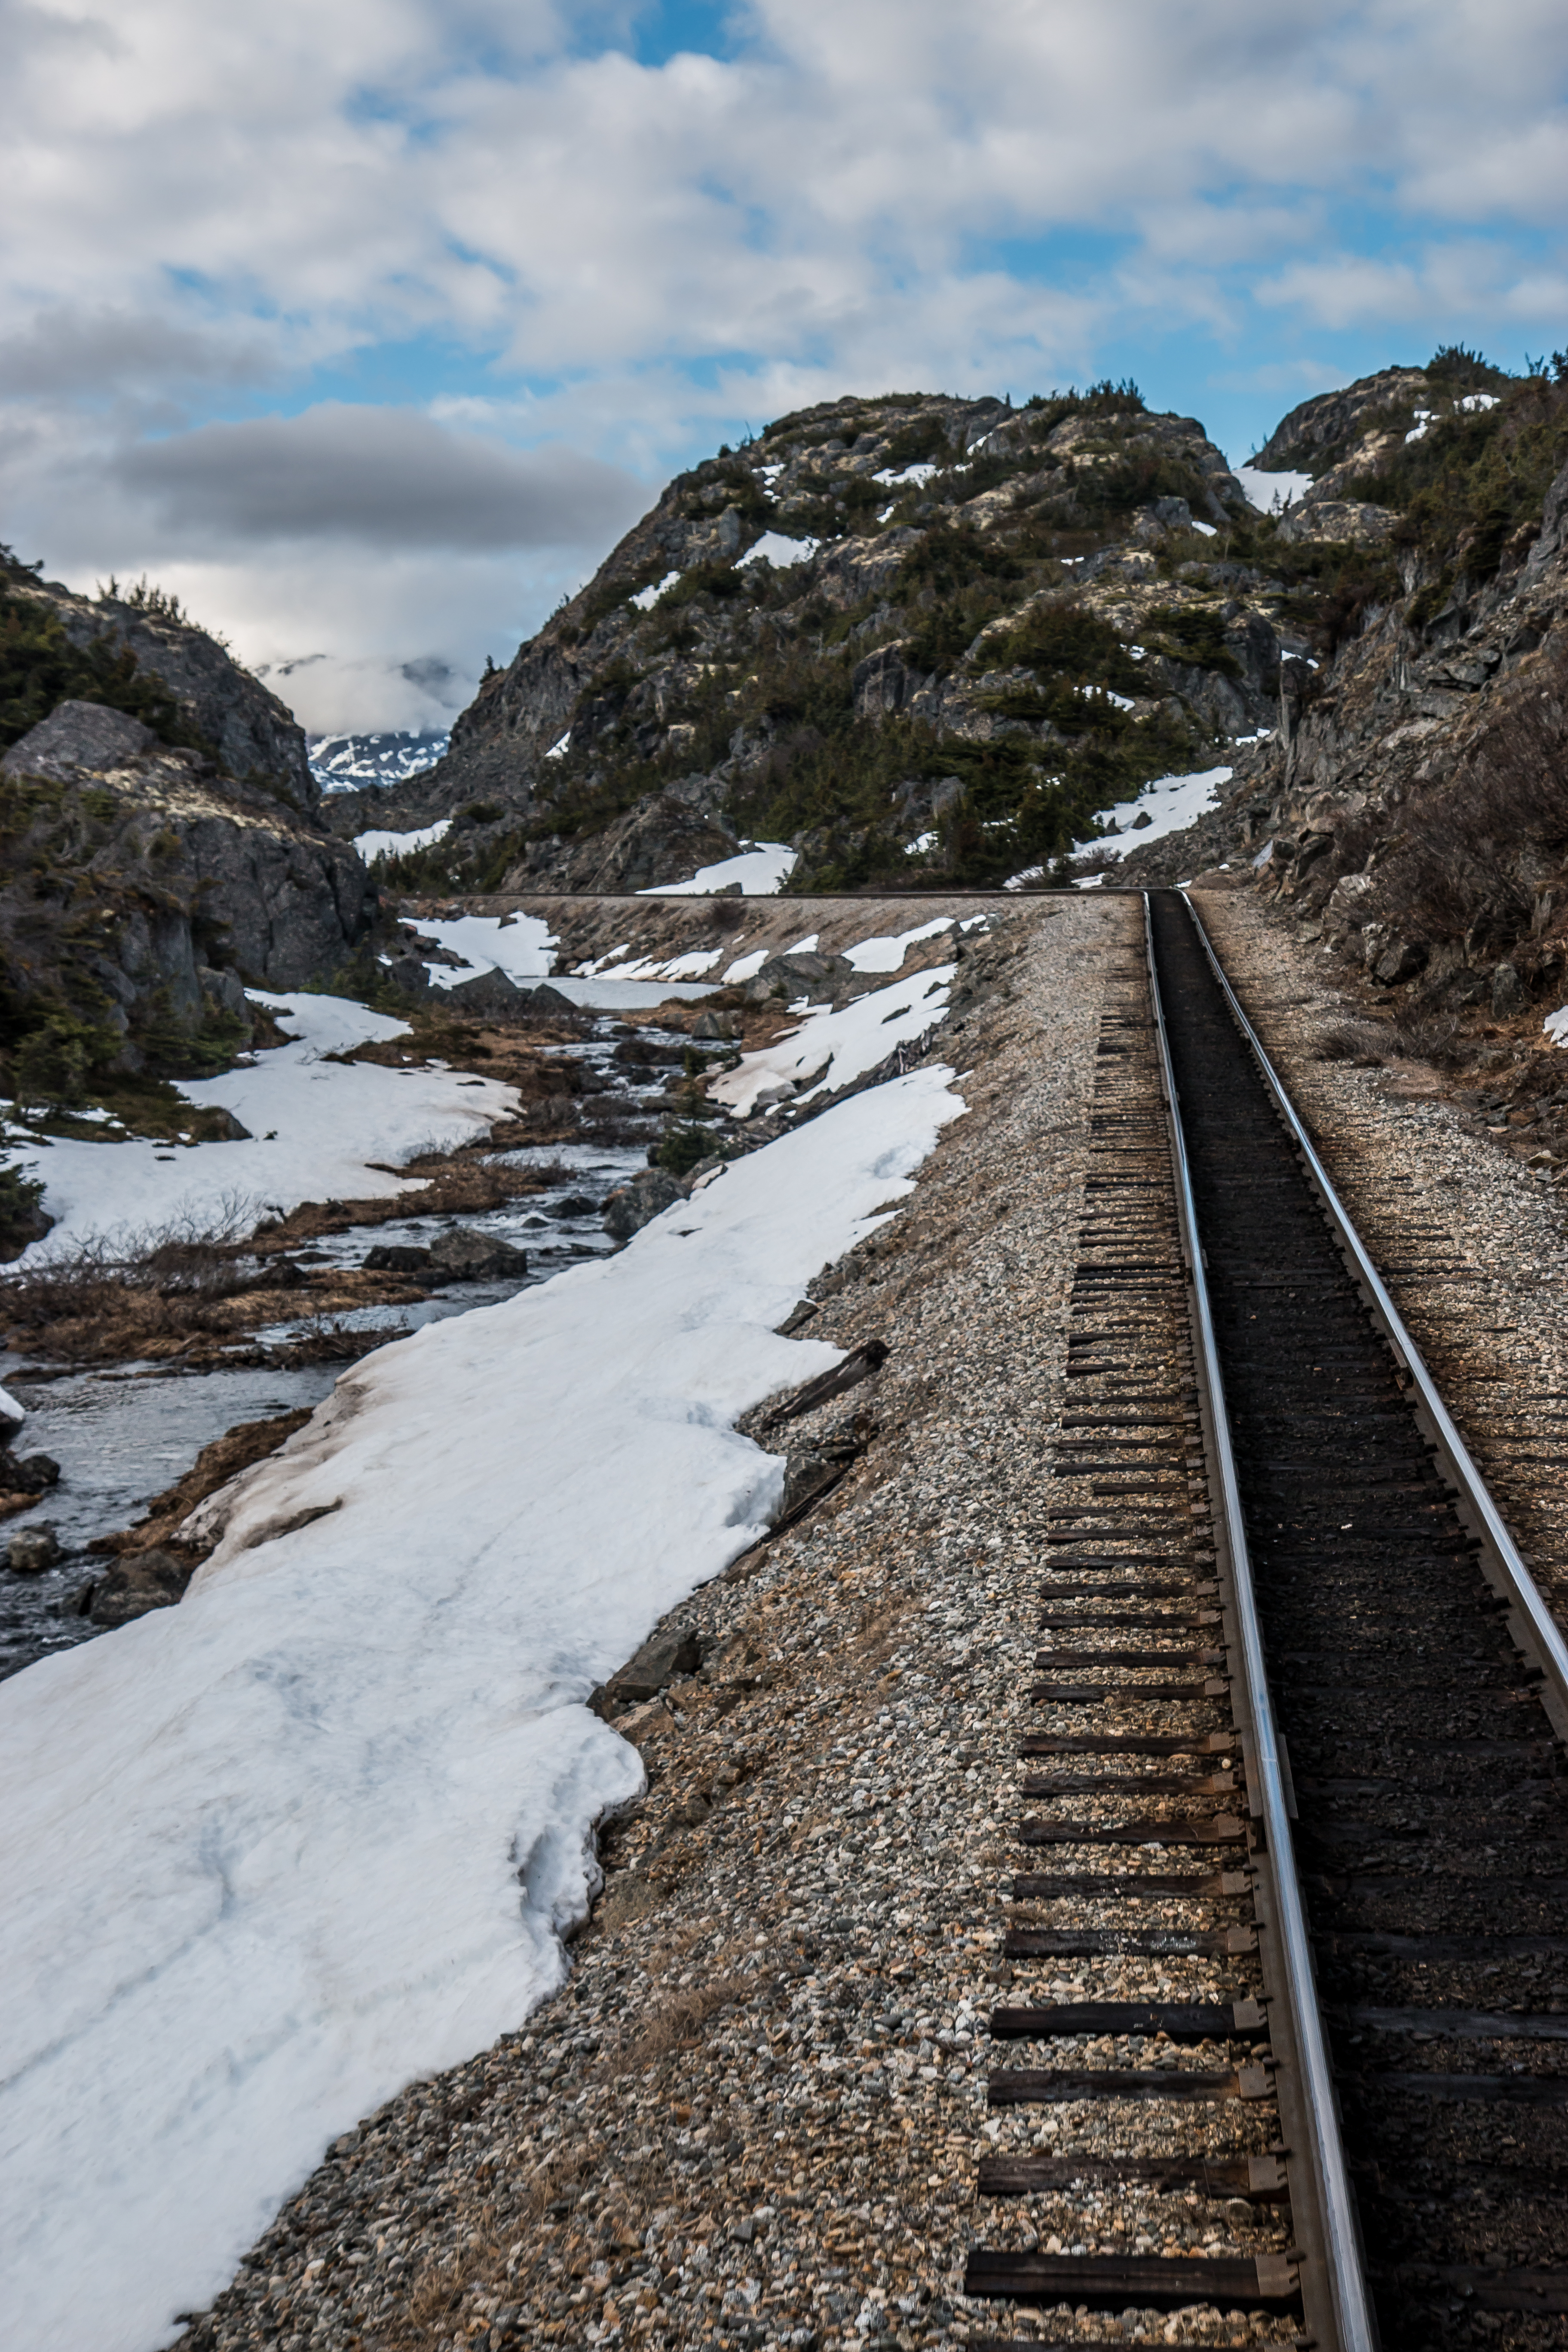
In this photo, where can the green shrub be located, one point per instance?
(40, 667)
(685, 1145)
(54, 1062)
(1066, 641)
(1192, 633)
(21, 1211)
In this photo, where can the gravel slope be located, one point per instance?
(754, 2114)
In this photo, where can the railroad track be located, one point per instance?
(1286, 1981)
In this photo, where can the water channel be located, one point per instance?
(123, 1434)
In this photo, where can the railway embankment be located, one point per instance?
(755, 2111)
(788, 2095)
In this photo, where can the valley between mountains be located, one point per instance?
(535, 1302)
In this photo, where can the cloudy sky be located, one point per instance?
(367, 325)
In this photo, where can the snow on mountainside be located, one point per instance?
(347, 763)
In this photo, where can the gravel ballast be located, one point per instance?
(755, 2114)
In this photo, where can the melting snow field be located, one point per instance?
(524, 948)
(1170, 803)
(762, 869)
(835, 1047)
(371, 845)
(315, 1128)
(271, 1854)
(1264, 490)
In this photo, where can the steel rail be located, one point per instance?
(1336, 2215)
(1537, 1632)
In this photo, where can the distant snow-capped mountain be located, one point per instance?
(345, 763)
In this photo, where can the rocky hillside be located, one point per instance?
(923, 639)
(1411, 810)
(161, 846)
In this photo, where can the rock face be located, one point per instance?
(920, 638)
(1409, 810)
(149, 880)
(248, 732)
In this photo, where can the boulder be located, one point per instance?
(636, 1204)
(1400, 961)
(465, 1254)
(715, 1026)
(396, 1257)
(33, 1549)
(77, 735)
(408, 973)
(139, 1582)
(1508, 991)
(801, 972)
(1341, 522)
(487, 992)
(28, 1474)
(545, 998)
(664, 1656)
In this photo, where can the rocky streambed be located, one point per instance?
(85, 1552)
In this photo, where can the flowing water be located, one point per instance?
(122, 1436)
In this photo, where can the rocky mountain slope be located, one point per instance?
(928, 640)
(924, 639)
(162, 845)
(1411, 809)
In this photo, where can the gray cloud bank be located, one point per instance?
(379, 478)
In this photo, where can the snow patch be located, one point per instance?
(886, 953)
(523, 946)
(835, 1047)
(371, 845)
(1556, 1025)
(315, 1832)
(559, 749)
(1170, 803)
(1269, 492)
(315, 1128)
(762, 869)
(647, 598)
(781, 552)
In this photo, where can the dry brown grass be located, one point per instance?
(677, 2023)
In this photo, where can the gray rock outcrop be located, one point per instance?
(636, 1204)
(152, 881)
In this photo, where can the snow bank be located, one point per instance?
(314, 1126)
(1170, 803)
(835, 1047)
(762, 869)
(1264, 488)
(272, 1854)
(371, 845)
